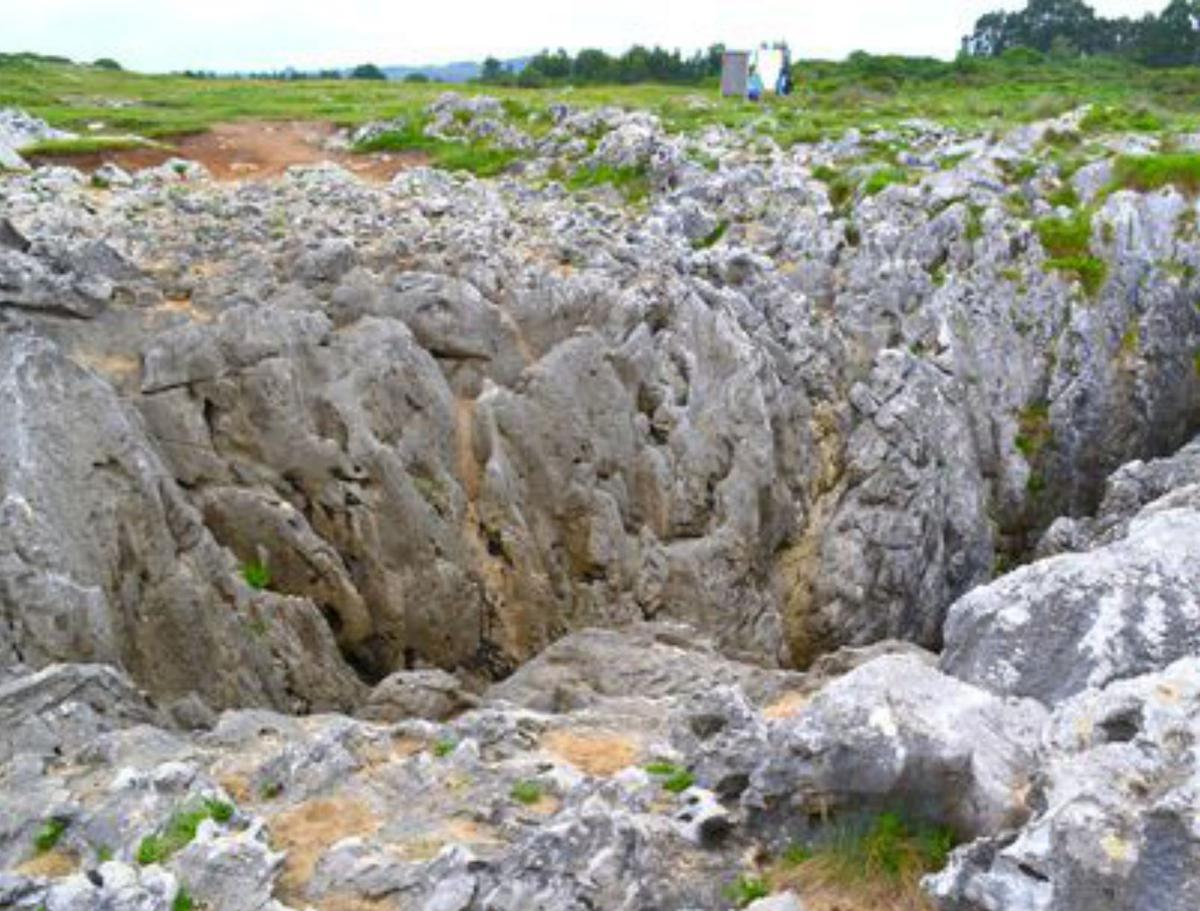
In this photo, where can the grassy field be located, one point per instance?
(831, 97)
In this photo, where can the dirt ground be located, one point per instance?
(249, 150)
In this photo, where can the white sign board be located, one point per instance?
(769, 64)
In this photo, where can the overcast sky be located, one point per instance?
(158, 35)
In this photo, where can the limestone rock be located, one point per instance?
(1063, 624)
(897, 732)
(1115, 822)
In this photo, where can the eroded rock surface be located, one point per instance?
(1081, 620)
(459, 418)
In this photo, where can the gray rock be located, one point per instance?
(102, 559)
(1115, 822)
(785, 901)
(430, 694)
(64, 707)
(233, 872)
(895, 732)
(1064, 624)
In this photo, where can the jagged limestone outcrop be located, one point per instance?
(461, 418)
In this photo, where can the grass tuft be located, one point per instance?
(1153, 172)
(1066, 237)
(633, 183)
(49, 834)
(1091, 272)
(745, 890)
(883, 178)
(526, 792)
(180, 831)
(877, 866)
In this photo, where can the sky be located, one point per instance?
(226, 35)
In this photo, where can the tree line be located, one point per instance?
(1072, 28)
(595, 67)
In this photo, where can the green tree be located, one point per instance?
(367, 71)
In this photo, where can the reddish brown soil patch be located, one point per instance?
(598, 753)
(249, 150)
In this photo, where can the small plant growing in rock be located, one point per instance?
(183, 901)
(180, 830)
(746, 889)
(712, 238)
(256, 574)
(877, 863)
(883, 178)
(49, 834)
(674, 778)
(526, 792)
(270, 790)
(444, 748)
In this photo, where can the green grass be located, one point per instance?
(526, 792)
(479, 158)
(830, 98)
(1090, 271)
(257, 575)
(974, 229)
(883, 178)
(674, 778)
(49, 834)
(842, 185)
(183, 901)
(1153, 172)
(745, 890)
(1064, 195)
(1066, 237)
(877, 865)
(1121, 120)
(180, 830)
(633, 183)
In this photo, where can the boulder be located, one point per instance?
(1115, 824)
(430, 694)
(896, 733)
(1067, 623)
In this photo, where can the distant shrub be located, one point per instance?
(368, 71)
(107, 63)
